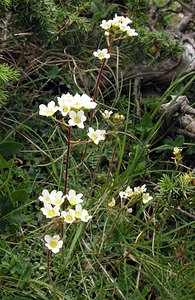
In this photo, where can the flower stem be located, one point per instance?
(95, 93)
(66, 170)
(48, 265)
(67, 163)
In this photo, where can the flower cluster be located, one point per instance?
(136, 194)
(118, 24)
(52, 208)
(69, 105)
(178, 157)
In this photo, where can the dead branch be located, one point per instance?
(5, 26)
(179, 110)
(183, 24)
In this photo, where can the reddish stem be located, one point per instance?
(66, 171)
(95, 93)
(67, 163)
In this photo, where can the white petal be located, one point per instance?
(55, 250)
(80, 113)
(51, 104)
(72, 193)
(72, 114)
(56, 237)
(80, 125)
(91, 130)
(59, 194)
(45, 193)
(60, 243)
(71, 122)
(47, 238)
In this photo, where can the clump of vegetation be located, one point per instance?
(96, 202)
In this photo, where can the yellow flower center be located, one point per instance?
(77, 120)
(69, 218)
(50, 112)
(65, 109)
(73, 201)
(53, 244)
(101, 55)
(51, 213)
(94, 137)
(78, 214)
(58, 202)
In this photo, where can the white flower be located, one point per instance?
(102, 54)
(96, 135)
(106, 24)
(85, 217)
(118, 24)
(146, 198)
(77, 118)
(77, 102)
(139, 190)
(112, 203)
(64, 106)
(177, 151)
(88, 102)
(49, 211)
(78, 211)
(68, 98)
(120, 20)
(129, 192)
(69, 216)
(57, 197)
(46, 197)
(53, 243)
(74, 198)
(81, 213)
(131, 31)
(48, 110)
(106, 114)
(123, 195)
(130, 210)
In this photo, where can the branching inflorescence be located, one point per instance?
(72, 109)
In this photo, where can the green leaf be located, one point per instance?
(26, 275)
(96, 6)
(96, 17)
(53, 71)
(6, 206)
(140, 166)
(9, 148)
(146, 121)
(19, 195)
(178, 142)
(3, 163)
(16, 218)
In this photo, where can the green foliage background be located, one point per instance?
(47, 50)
